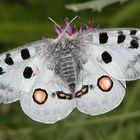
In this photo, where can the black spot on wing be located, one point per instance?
(27, 72)
(133, 32)
(103, 38)
(121, 38)
(106, 57)
(134, 44)
(1, 71)
(25, 54)
(8, 60)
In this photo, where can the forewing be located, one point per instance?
(116, 51)
(103, 93)
(52, 108)
(19, 69)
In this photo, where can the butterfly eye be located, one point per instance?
(105, 83)
(40, 96)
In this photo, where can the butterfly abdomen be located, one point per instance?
(67, 68)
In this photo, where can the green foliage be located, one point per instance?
(23, 21)
(95, 5)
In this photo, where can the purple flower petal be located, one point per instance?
(68, 27)
(75, 29)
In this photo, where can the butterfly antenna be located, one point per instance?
(54, 23)
(73, 19)
(68, 23)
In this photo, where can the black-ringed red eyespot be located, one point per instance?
(40, 96)
(105, 83)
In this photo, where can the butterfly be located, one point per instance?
(84, 68)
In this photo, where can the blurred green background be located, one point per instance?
(24, 21)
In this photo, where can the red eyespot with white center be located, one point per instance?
(105, 83)
(40, 96)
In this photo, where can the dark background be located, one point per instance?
(24, 21)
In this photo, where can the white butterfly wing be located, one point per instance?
(104, 93)
(18, 70)
(43, 103)
(116, 51)
(26, 74)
